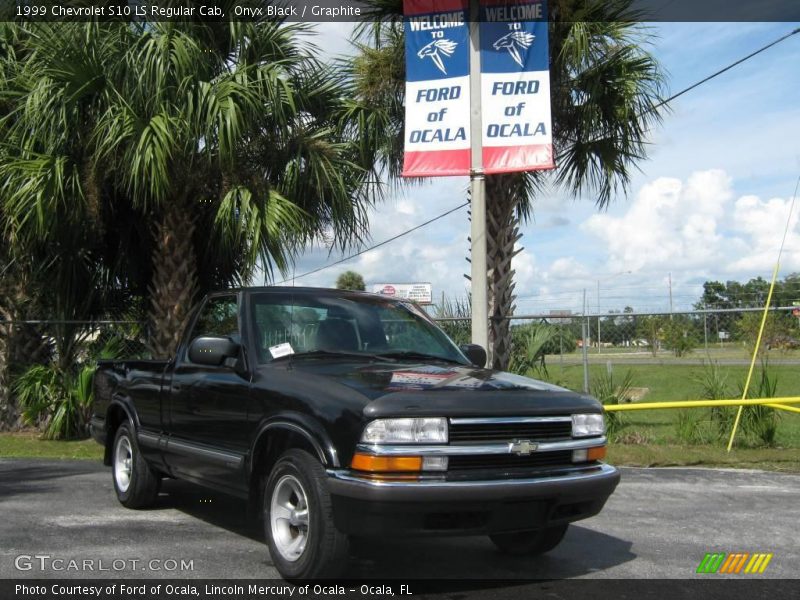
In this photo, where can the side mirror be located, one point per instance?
(212, 350)
(475, 353)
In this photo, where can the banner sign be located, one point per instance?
(437, 137)
(515, 86)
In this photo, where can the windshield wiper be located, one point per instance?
(420, 355)
(336, 353)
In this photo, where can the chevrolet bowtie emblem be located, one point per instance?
(522, 447)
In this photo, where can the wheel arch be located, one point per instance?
(278, 435)
(119, 412)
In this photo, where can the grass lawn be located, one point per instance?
(682, 382)
(672, 455)
(27, 444)
(673, 382)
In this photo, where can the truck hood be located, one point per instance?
(447, 389)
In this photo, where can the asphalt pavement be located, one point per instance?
(658, 524)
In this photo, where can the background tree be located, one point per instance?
(651, 329)
(605, 87)
(350, 280)
(680, 334)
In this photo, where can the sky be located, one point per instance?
(711, 202)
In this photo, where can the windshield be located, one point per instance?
(286, 323)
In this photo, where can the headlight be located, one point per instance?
(587, 425)
(406, 431)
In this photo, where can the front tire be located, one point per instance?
(135, 482)
(298, 520)
(529, 542)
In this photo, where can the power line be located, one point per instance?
(378, 245)
(662, 103)
(723, 70)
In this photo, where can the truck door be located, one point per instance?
(208, 405)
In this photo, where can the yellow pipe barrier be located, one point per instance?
(777, 402)
(755, 350)
(782, 407)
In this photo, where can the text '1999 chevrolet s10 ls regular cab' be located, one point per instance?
(342, 414)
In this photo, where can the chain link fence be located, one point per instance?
(618, 339)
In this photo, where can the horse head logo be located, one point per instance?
(436, 49)
(516, 43)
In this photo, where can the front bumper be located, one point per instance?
(368, 507)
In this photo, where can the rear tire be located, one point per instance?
(298, 520)
(135, 483)
(529, 542)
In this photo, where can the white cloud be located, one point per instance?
(763, 224)
(669, 225)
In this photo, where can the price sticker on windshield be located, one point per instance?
(281, 350)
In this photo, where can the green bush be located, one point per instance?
(528, 348)
(714, 385)
(608, 392)
(459, 331)
(57, 402)
(760, 423)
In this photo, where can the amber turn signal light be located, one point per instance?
(386, 464)
(597, 453)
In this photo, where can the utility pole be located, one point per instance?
(477, 187)
(585, 333)
(598, 316)
(670, 296)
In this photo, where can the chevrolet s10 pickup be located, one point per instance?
(339, 414)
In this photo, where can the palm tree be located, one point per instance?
(605, 89)
(177, 157)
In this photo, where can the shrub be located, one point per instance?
(59, 402)
(459, 331)
(760, 423)
(528, 348)
(714, 384)
(608, 392)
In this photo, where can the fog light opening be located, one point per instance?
(434, 463)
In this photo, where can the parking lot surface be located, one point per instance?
(658, 524)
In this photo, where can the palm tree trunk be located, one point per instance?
(6, 409)
(174, 284)
(502, 234)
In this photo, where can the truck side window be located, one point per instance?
(219, 316)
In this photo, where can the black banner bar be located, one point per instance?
(710, 587)
(320, 11)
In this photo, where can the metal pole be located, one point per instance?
(598, 316)
(479, 264)
(585, 328)
(670, 296)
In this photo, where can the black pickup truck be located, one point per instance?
(341, 414)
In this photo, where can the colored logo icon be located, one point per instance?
(737, 563)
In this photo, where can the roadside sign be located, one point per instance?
(421, 293)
